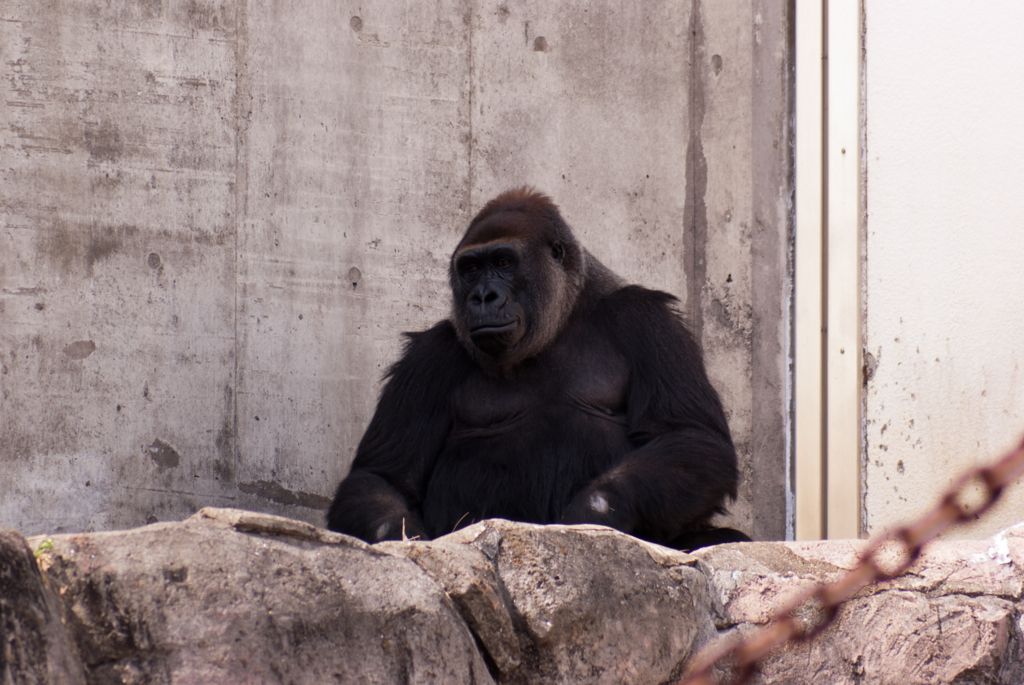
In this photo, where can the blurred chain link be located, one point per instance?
(905, 544)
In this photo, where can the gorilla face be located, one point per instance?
(495, 307)
(515, 278)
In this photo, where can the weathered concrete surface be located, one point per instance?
(117, 261)
(353, 160)
(217, 216)
(234, 596)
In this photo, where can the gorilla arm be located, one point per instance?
(683, 466)
(382, 494)
(368, 507)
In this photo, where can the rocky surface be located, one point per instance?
(34, 646)
(230, 596)
(233, 597)
(953, 617)
(550, 608)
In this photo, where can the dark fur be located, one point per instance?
(595, 407)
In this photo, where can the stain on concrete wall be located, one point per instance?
(218, 216)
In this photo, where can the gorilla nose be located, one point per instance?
(484, 299)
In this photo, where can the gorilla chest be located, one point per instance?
(578, 381)
(520, 448)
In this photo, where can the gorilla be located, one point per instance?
(555, 393)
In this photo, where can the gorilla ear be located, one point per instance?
(557, 251)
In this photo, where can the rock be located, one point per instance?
(903, 638)
(754, 581)
(34, 646)
(231, 596)
(234, 596)
(592, 605)
(953, 617)
(472, 582)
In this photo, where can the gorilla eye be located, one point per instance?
(504, 262)
(472, 268)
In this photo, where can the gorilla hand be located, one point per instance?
(597, 505)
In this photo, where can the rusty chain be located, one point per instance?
(827, 599)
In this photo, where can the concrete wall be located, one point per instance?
(945, 244)
(218, 215)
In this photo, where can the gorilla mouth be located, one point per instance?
(494, 338)
(493, 328)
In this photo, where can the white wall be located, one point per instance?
(945, 251)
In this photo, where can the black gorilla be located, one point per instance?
(555, 393)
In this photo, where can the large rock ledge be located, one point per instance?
(236, 597)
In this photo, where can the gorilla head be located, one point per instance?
(516, 277)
